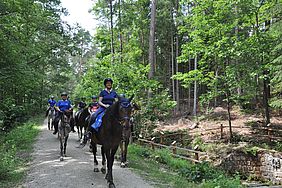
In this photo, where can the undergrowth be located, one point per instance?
(15, 150)
(167, 171)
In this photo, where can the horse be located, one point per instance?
(81, 122)
(114, 121)
(51, 117)
(63, 133)
(126, 135)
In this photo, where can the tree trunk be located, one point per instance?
(189, 88)
(195, 90)
(112, 31)
(229, 114)
(152, 39)
(120, 31)
(172, 67)
(266, 96)
(176, 70)
(176, 55)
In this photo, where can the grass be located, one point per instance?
(15, 150)
(165, 171)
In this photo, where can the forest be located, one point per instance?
(178, 57)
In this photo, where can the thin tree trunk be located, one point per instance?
(112, 32)
(176, 70)
(229, 114)
(152, 39)
(120, 31)
(176, 55)
(172, 67)
(152, 58)
(215, 99)
(266, 97)
(195, 90)
(189, 88)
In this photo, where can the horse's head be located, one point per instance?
(66, 117)
(124, 111)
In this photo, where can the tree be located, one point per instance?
(152, 39)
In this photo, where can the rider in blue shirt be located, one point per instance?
(106, 98)
(51, 103)
(61, 106)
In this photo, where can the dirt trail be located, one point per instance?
(46, 170)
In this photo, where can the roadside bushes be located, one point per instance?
(203, 175)
(14, 152)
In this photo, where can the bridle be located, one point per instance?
(125, 105)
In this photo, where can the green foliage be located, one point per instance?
(34, 57)
(232, 41)
(195, 175)
(251, 150)
(14, 152)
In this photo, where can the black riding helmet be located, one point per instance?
(64, 94)
(108, 80)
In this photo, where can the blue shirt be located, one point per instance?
(52, 102)
(64, 105)
(108, 97)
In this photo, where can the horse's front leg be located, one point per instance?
(65, 145)
(125, 152)
(122, 151)
(103, 169)
(48, 122)
(94, 151)
(110, 161)
(62, 147)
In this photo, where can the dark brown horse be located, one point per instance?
(81, 122)
(126, 135)
(115, 119)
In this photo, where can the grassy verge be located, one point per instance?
(160, 167)
(15, 150)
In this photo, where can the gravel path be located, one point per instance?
(46, 170)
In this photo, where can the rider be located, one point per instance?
(93, 106)
(81, 104)
(51, 104)
(106, 98)
(61, 106)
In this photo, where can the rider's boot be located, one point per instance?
(47, 111)
(56, 128)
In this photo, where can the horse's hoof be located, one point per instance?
(122, 165)
(103, 170)
(61, 158)
(112, 185)
(96, 170)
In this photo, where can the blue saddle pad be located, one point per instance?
(98, 122)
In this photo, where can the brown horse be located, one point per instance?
(126, 135)
(109, 135)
